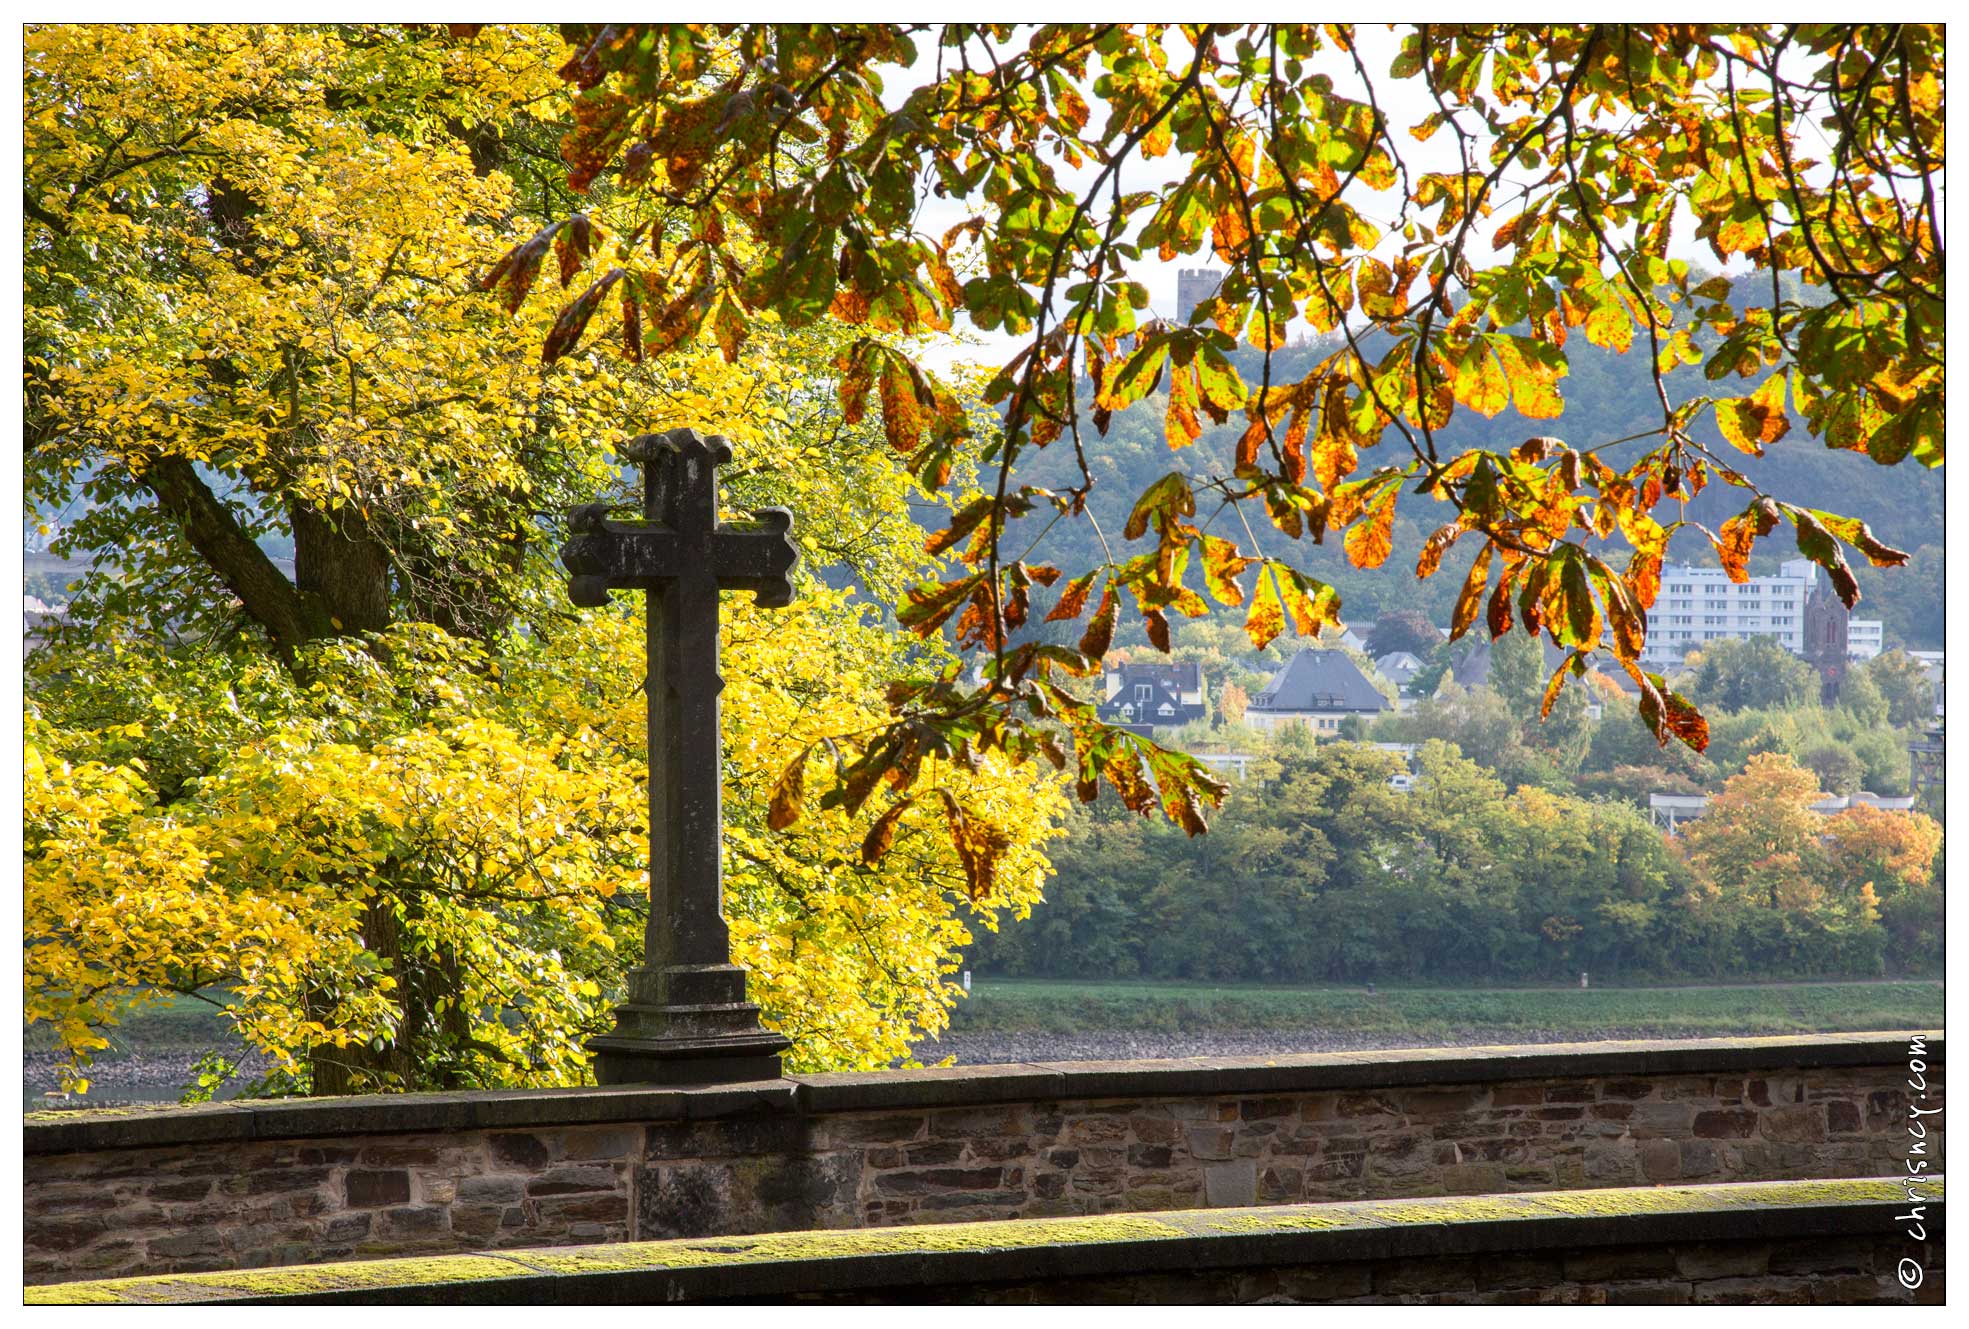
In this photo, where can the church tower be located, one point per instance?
(1825, 639)
(1193, 287)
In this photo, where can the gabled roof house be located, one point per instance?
(1318, 689)
(1144, 696)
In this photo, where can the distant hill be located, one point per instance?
(1608, 396)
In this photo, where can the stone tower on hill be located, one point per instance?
(1193, 287)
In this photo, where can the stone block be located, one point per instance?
(1212, 1142)
(424, 1153)
(1265, 1109)
(1699, 1159)
(1842, 1117)
(1281, 1185)
(968, 1123)
(1097, 1130)
(1148, 1155)
(1364, 1105)
(347, 1227)
(1337, 1168)
(177, 1245)
(930, 1181)
(315, 1156)
(1832, 1255)
(1519, 1271)
(569, 1180)
(1626, 1089)
(570, 1210)
(1794, 1125)
(936, 1152)
(1230, 1185)
(1517, 1095)
(1397, 1278)
(1850, 1289)
(1661, 1160)
(1310, 1284)
(1652, 1293)
(982, 1205)
(274, 1181)
(413, 1220)
(1725, 1124)
(525, 1151)
(616, 1143)
(1408, 1161)
(1436, 1104)
(1723, 1260)
(81, 1202)
(688, 1200)
(491, 1190)
(1764, 1291)
(1610, 1163)
(368, 1189)
(887, 1129)
(1602, 1266)
(1472, 1178)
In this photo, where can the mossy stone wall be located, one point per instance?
(245, 1186)
(1767, 1242)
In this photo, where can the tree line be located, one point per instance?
(1318, 871)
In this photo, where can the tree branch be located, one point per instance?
(246, 570)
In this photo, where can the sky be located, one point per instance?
(1404, 101)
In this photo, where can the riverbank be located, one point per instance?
(1426, 1016)
(158, 1049)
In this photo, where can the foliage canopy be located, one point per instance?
(388, 794)
(1811, 151)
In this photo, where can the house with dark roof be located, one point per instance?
(1144, 696)
(1398, 667)
(1318, 689)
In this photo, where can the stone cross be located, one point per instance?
(687, 1020)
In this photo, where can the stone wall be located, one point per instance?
(1836, 1242)
(249, 1185)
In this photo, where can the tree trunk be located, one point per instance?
(339, 561)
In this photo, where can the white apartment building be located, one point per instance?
(1865, 638)
(1702, 604)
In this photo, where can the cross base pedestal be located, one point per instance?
(687, 1024)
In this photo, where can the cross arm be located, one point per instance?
(758, 556)
(606, 555)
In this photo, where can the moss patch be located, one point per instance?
(294, 1280)
(849, 1244)
(1458, 1209)
(1750, 1195)
(787, 1247)
(1260, 1221)
(71, 1294)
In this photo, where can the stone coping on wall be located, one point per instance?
(896, 1260)
(73, 1131)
